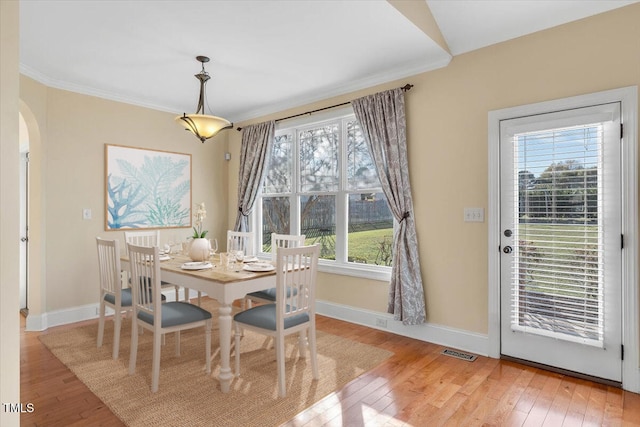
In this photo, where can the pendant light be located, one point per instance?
(203, 126)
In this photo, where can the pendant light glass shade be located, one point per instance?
(203, 126)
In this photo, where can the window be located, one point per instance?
(321, 182)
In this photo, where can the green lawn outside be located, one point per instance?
(571, 248)
(372, 246)
(368, 247)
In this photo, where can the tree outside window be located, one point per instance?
(321, 182)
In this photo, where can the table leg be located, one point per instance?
(224, 319)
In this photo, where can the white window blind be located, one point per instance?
(557, 267)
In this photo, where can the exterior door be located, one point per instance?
(560, 204)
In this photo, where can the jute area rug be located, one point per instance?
(187, 396)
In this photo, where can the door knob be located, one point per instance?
(24, 239)
(507, 233)
(507, 249)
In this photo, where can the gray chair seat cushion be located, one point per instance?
(177, 313)
(270, 294)
(264, 316)
(126, 298)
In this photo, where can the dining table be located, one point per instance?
(224, 284)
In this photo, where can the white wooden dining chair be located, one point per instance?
(111, 292)
(291, 313)
(240, 241)
(149, 313)
(151, 238)
(277, 241)
(143, 237)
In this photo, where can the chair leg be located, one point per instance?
(178, 292)
(282, 391)
(199, 299)
(177, 343)
(302, 344)
(238, 335)
(155, 364)
(117, 322)
(313, 352)
(133, 353)
(246, 303)
(101, 324)
(208, 345)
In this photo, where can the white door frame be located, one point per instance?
(628, 96)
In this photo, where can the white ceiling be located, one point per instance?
(266, 56)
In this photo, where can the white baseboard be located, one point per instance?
(61, 317)
(458, 339)
(441, 335)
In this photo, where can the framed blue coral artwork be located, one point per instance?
(146, 188)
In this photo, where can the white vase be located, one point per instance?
(199, 249)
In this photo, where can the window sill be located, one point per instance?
(366, 271)
(356, 270)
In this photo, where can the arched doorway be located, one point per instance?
(24, 215)
(33, 218)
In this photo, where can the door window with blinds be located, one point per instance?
(560, 204)
(559, 247)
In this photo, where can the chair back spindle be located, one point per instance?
(285, 241)
(240, 241)
(109, 267)
(143, 238)
(145, 278)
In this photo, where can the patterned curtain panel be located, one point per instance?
(382, 120)
(256, 141)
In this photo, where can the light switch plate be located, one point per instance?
(86, 213)
(473, 214)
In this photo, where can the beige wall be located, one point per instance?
(447, 114)
(70, 177)
(9, 213)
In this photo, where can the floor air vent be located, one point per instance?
(459, 355)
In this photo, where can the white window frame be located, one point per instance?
(628, 97)
(369, 271)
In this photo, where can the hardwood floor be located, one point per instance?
(58, 396)
(416, 387)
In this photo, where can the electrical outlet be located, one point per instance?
(86, 213)
(382, 323)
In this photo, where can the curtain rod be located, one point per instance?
(405, 88)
